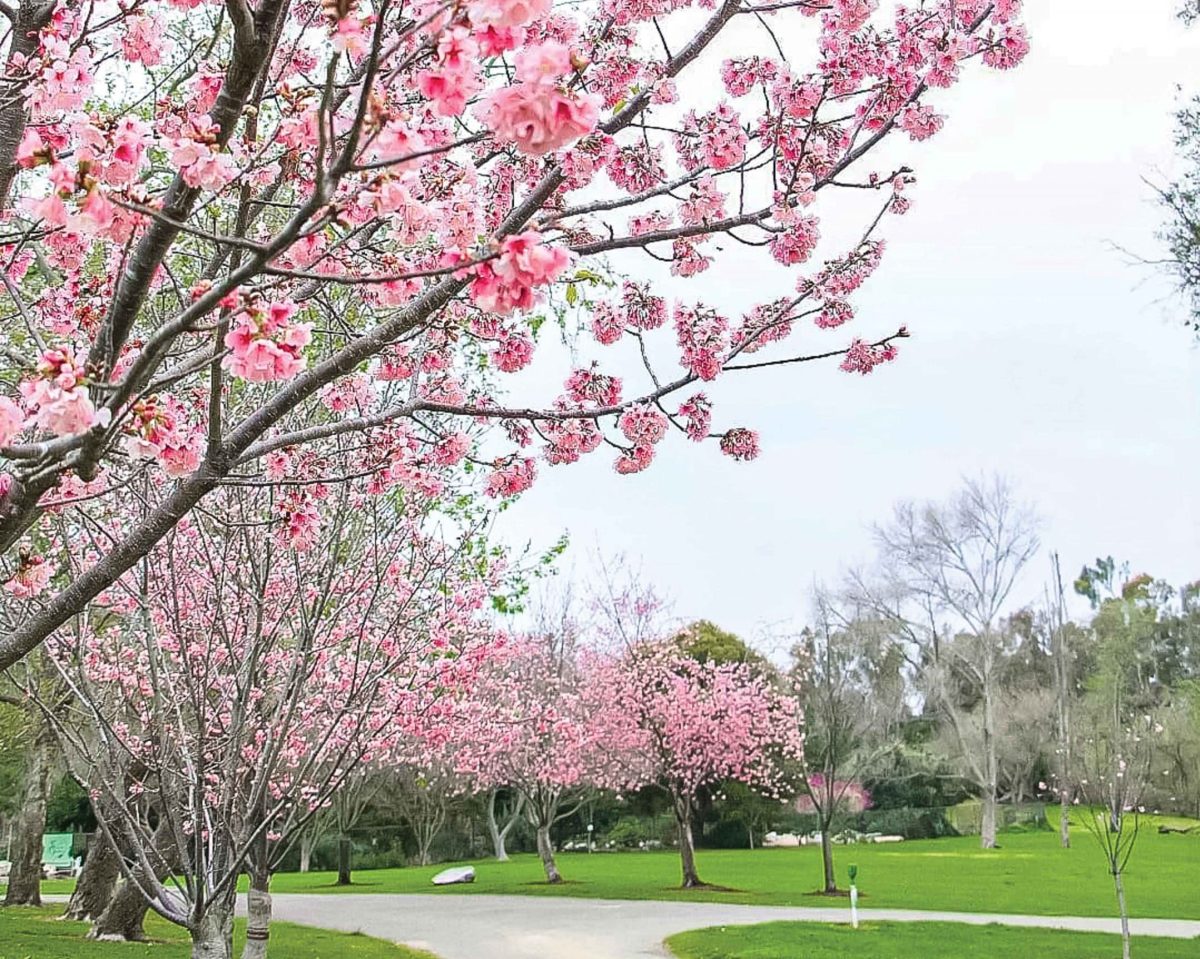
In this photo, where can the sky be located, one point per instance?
(1041, 350)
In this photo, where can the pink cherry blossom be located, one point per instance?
(266, 344)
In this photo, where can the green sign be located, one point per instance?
(853, 872)
(56, 849)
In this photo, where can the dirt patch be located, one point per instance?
(836, 894)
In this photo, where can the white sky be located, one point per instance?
(1038, 351)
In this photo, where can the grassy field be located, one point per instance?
(1028, 874)
(38, 934)
(929, 940)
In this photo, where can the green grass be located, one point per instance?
(38, 934)
(926, 940)
(1028, 874)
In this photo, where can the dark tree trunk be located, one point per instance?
(25, 878)
(94, 891)
(827, 860)
(125, 916)
(344, 850)
(687, 849)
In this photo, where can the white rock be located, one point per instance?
(448, 877)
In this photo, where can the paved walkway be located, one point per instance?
(531, 927)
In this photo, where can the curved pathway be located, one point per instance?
(532, 927)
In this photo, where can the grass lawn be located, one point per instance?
(38, 934)
(927, 940)
(1028, 874)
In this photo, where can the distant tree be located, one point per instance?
(958, 559)
(851, 713)
(425, 797)
(707, 642)
(1116, 749)
(689, 727)
(1180, 199)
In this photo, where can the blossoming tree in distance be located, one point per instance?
(687, 726)
(236, 229)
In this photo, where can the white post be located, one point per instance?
(853, 896)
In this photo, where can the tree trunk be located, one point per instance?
(258, 898)
(987, 833)
(1062, 679)
(123, 918)
(25, 878)
(306, 850)
(1124, 913)
(750, 835)
(94, 890)
(344, 850)
(258, 916)
(827, 860)
(687, 851)
(500, 834)
(546, 851)
(212, 936)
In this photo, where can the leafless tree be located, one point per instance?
(851, 709)
(946, 573)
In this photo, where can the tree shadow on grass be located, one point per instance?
(836, 894)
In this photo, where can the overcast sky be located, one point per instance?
(1039, 351)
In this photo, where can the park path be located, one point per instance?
(530, 927)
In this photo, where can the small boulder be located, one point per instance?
(449, 877)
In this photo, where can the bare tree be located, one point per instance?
(1056, 607)
(957, 560)
(424, 797)
(850, 711)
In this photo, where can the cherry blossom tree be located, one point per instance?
(227, 690)
(237, 230)
(534, 723)
(688, 726)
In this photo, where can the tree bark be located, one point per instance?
(345, 849)
(500, 833)
(25, 878)
(94, 890)
(258, 916)
(212, 936)
(31, 17)
(307, 842)
(827, 860)
(123, 919)
(687, 849)
(546, 851)
(1125, 944)
(987, 832)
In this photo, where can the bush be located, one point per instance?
(633, 832)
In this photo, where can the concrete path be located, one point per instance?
(531, 927)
